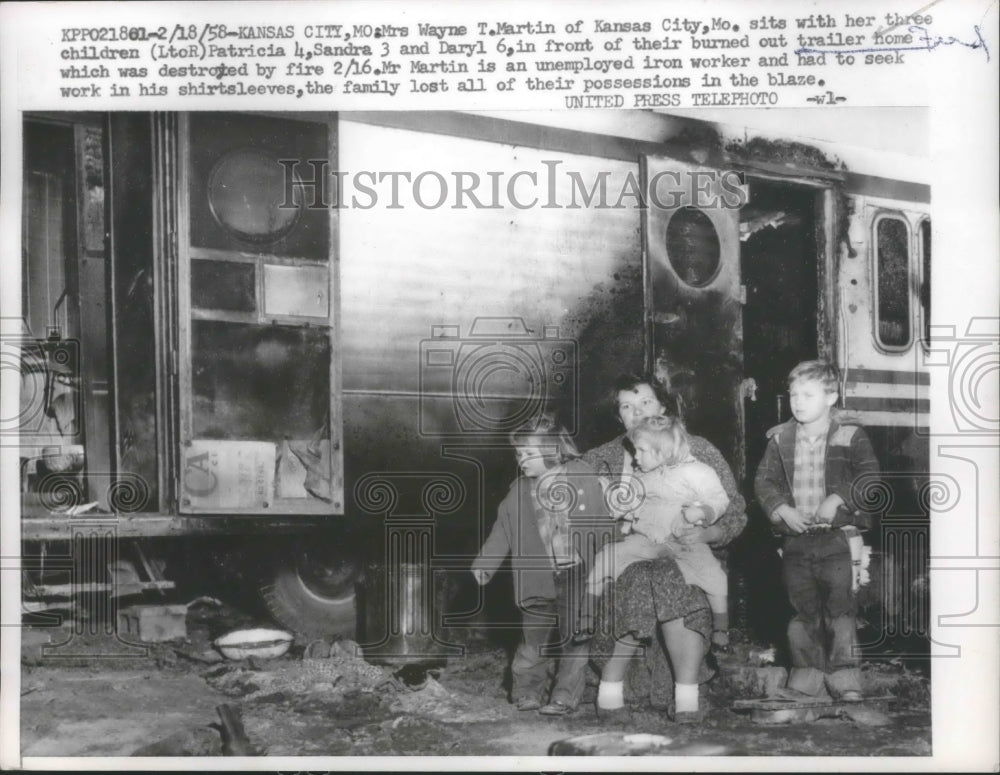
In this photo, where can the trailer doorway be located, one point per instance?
(782, 245)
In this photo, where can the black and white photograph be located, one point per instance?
(454, 438)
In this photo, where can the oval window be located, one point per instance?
(246, 193)
(693, 246)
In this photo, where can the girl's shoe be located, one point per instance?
(615, 716)
(586, 627)
(556, 708)
(690, 716)
(528, 703)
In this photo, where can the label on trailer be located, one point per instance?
(222, 475)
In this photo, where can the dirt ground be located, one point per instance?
(326, 702)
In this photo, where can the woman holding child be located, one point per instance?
(551, 540)
(653, 596)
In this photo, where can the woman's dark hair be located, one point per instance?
(625, 382)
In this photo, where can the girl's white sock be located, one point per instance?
(686, 697)
(611, 696)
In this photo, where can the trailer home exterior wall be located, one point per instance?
(352, 367)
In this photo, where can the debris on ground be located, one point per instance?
(199, 741)
(339, 673)
(434, 700)
(787, 709)
(324, 699)
(234, 737)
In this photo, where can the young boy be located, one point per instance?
(804, 485)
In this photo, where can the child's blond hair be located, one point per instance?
(667, 435)
(546, 431)
(817, 371)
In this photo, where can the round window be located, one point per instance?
(246, 193)
(693, 246)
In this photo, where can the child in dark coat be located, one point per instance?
(549, 522)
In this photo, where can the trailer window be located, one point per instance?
(892, 282)
(224, 285)
(925, 278)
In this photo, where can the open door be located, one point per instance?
(693, 303)
(259, 381)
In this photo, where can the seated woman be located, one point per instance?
(652, 596)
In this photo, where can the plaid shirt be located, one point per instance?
(809, 474)
(849, 459)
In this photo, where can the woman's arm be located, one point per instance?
(734, 518)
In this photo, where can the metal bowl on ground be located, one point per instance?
(259, 643)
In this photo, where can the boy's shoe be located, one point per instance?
(528, 703)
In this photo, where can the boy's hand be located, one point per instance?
(792, 517)
(481, 576)
(828, 509)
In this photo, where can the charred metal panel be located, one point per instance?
(560, 275)
(694, 306)
(132, 287)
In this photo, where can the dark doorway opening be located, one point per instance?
(780, 234)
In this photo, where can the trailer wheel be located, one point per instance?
(312, 592)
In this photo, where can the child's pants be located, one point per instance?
(612, 560)
(818, 573)
(698, 565)
(547, 629)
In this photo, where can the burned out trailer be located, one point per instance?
(306, 335)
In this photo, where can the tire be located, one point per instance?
(312, 597)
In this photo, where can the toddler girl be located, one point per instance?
(675, 490)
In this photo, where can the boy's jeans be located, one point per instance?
(818, 575)
(548, 627)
